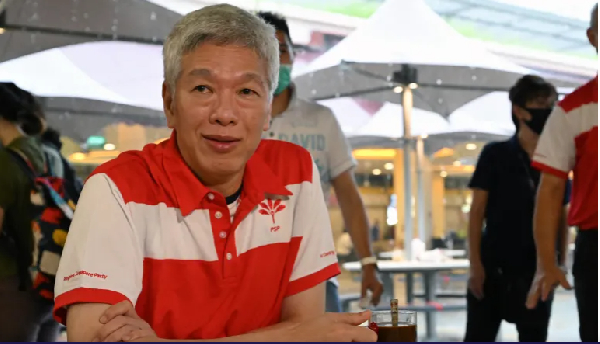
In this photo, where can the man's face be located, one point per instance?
(537, 103)
(592, 34)
(540, 107)
(220, 107)
(286, 51)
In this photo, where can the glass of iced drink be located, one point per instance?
(394, 325)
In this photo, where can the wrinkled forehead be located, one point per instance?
(214, 61)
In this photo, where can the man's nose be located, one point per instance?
(225, 113)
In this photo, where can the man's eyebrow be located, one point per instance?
(250, 76)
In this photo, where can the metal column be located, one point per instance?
(407, 104)
(420, 191)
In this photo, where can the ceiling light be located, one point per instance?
(109, 146)
(443, 174)
(388, 166)
(398, 89)
(78, 156)
(413, 85)
(376, 171)
(456, 163)
(471, 146)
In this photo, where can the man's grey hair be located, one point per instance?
(222, 25)
(594, 17)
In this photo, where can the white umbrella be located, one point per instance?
(349, 114)
(400, 33)
(118, 72)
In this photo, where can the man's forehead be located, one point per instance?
(209, 73)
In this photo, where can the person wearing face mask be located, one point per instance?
(315, 128)
(570, 143)
(501, 246)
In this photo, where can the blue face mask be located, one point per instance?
(285, 78)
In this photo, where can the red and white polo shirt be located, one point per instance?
(146, 230)
(570, 143)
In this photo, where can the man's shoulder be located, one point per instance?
(136, 174)
(584, 95)
(314, 109)
(286, 157)
(272, 150)
(125, 164)
(497, 147)
(9, 167)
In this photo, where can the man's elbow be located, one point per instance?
(83, 321)
(552, 188)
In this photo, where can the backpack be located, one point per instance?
(53, 210)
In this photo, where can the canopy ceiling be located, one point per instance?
(452, 70)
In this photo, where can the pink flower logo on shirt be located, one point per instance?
(268, 207)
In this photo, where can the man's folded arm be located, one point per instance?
(102, 261)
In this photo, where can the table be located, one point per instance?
(398, 254)
(429, 270)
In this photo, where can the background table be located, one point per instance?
(429, 270)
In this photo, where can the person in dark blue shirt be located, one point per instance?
(501, 246)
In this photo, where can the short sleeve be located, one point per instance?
(555, 152)
(482, 176)
(102, 261)
(7, 181)
(339, 153)
(316, 260)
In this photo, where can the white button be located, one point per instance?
(223, 235)
(228, 256)
(218, 215)
(211, 196)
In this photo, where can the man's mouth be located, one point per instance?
(221, 138)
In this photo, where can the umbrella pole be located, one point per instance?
(407, 104)
(420, 192)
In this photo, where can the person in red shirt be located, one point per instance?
(213, 233)
(569, 143)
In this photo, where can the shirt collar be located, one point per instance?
(189, 193)
(514, 141)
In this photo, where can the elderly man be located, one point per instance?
(212, 233)
(314, 127)
(570, 143)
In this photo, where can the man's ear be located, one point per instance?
(518, 112)
(168, 100)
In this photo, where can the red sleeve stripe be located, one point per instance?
(551, 170)
(312, 280)
(84, 295)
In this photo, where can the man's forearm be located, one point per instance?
(355, 218)
(548, 213)
(563, 234)
(275, 333)
(475, 227)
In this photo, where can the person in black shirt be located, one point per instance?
(503, 255)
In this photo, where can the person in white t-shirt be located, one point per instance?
(315, 128)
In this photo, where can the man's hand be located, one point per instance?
(334, 327)
(372, 283)
(476, 279)
(121, 323)
(544, 282)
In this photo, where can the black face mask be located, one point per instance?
(538, 119)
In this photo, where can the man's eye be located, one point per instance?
(247, 92)
(201, 89)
